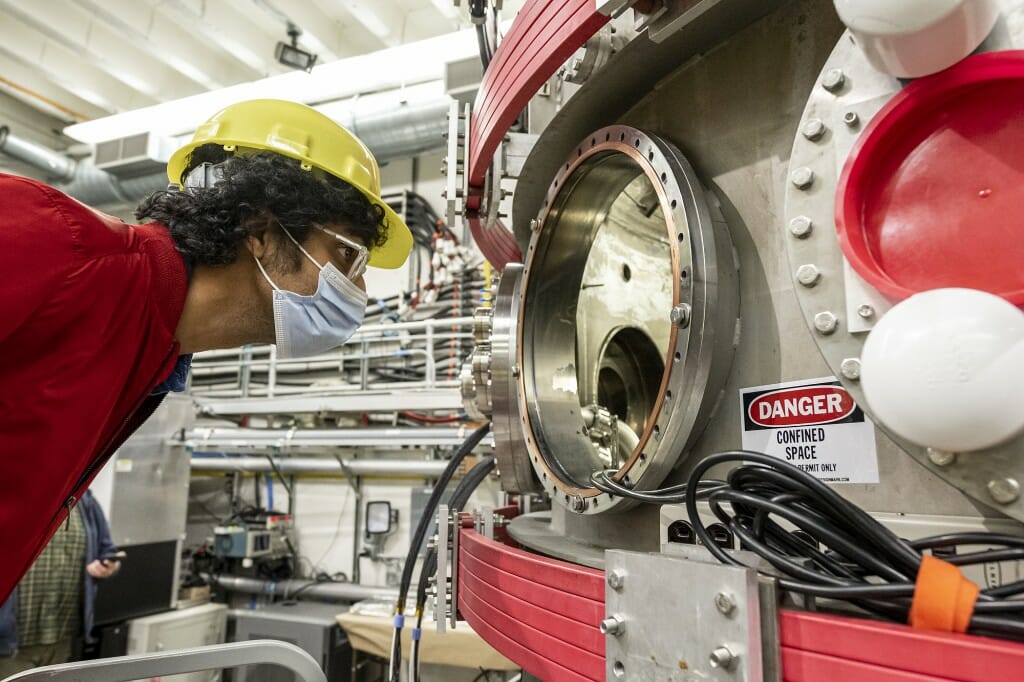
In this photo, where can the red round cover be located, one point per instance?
(932, 194)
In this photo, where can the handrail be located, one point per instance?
(197, 659)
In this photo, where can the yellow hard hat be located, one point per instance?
(300, 132)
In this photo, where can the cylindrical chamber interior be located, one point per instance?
(595, 326)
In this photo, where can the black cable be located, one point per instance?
(417, 541)
(477, 475)
(481, 39)
(849, 555)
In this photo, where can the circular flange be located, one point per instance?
(558, 423)
(839, 295)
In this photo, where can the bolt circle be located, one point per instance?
(802, 177)
(680, 315)
(813, 129)
(833, 80)
(826, 322)
(941, 458)
(1004, 490)
(725, 603)
(800, 227)
(808, 275)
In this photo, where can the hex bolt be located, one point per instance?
(808, 275)
(850, 369)
(680, 315)
(725, 603)
(1004, 490)
(800, 227)
(722, 657)
(941, 458)
(616, 579)
(866, 311)
(613, 625)
(826, 322)
(833, 80)
(534, 225)
(814, 129)
(579, 505)
(851, 118)
(802, 177)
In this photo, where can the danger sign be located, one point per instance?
(813, 424)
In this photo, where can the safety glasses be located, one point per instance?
(355, 253)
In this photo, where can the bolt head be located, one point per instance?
(850, 369)
(813, 129)
(802, 177)
(722, 657)
(808, 275)
(725, 603)
(680, 315)
(800, 227)
(866, 311)
(613, 625)
(534, 225)
(941, 458)
(616, 579)
(1004, 490)
(578, 504)
(826, 322)
(851, 118)
(833, 80)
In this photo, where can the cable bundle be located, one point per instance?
(842, 552)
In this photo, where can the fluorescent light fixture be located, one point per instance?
(387, 69)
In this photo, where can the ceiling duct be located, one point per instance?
(128, 170)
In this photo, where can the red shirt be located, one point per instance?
(88, 310)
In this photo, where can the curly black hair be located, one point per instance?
(208, 225)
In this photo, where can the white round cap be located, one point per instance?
(945, 369)
(912, 38)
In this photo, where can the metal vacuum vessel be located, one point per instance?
(684, 292)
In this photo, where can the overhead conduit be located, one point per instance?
(408, 130)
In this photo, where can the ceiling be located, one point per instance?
(77, 60)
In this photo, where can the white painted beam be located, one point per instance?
(66, 68)
(99, 44)
(218, 23)
(140, 25)
(23, 82)
(383, 19)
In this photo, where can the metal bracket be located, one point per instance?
(441, 600)
(456, 163)
(684, 616)
(453, 612)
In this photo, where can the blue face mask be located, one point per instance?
(310, 325)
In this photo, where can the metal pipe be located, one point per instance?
(284, 588)
(398, 133)
(410, 129)
(398, 468)
(54, 164)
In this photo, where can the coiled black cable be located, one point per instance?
(842, 552)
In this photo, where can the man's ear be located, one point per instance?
(258, 231)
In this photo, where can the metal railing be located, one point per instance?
(197, 659)
(256, 371)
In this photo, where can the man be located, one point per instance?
(279, 213)
(54, 603)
